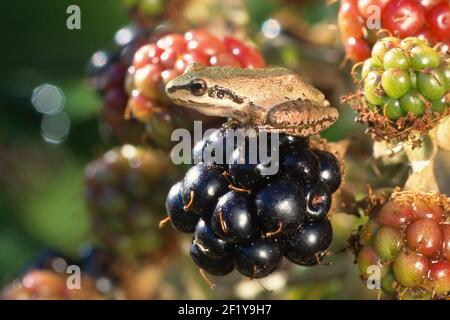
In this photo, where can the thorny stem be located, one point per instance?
(127, 112)
(402, 293)
(379, 33)
(263, 286)
(254, 272)
(356, 65)
(319, 255)
(344, 62)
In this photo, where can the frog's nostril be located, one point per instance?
(169, 88)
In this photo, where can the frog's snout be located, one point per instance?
(169, 88)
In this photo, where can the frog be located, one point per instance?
(272, 99)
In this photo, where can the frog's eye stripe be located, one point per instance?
(173, 89)
(197, 87)
(221, 93)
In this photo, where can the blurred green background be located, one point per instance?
(41, 195)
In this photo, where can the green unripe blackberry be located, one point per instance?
(403, 89)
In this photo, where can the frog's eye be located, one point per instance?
(198, 87)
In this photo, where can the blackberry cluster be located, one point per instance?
(246, 220)
(425, 19)
(409, 240)
(124, 191)
(106, 71)
(404, 85)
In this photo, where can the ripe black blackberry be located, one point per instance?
(246, 219)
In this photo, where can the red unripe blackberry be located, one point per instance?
(395, 214)
(440, 275)
(156, 63)
(421, 209)
(409, 240)
(424, 236)
(428, 19)
(439, 21)
(107, 72)
(367, 257)
(446, 241)
(411, 269)
(175, 51)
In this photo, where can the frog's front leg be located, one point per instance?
(232, 123)
(300, 118)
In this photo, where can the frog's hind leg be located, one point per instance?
(300, 118)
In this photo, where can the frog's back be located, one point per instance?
(270, 86)
(263, 87)
(230, 72)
